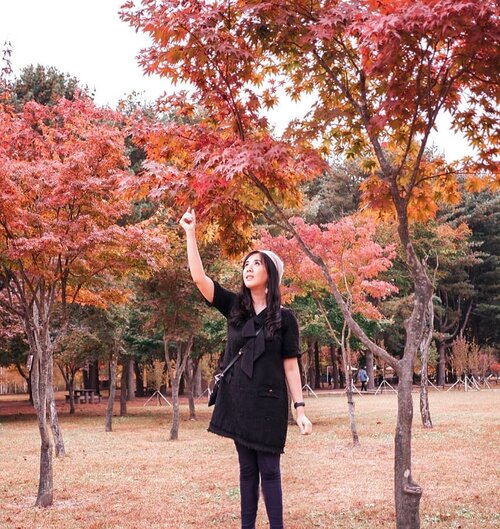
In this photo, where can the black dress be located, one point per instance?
(254, 411)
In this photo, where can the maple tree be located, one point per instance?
(175, 309)
(381, 72)
(62, 238)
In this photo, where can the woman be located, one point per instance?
(252, 403)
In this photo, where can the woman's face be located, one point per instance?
(254, 272)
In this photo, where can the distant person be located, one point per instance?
(363, 378)
(251, 406)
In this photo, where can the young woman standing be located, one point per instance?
(252, 403)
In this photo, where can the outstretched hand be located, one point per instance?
(188, 220)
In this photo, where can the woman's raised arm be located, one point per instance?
(203, 282)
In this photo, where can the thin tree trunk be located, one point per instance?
(347, 367)
(424, 357)
(191, 376)
(346, 360)
(175, 374)
(71, 389)
(112, 392)
(123, 389)
(131, 381)
(317, 371)
(51, 403)
(335, 366)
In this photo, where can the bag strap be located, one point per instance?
(233, 361)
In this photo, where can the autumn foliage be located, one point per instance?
(355, 261)
(61, 174)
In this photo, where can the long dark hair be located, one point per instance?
(243, 310)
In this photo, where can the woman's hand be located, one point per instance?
(188, 220)
(304, 424)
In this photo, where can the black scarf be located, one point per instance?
(255, 344)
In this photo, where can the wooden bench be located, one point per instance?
(85, 396)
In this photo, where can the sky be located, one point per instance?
(87, 40)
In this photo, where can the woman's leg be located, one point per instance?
(249, 486)
(269, 467)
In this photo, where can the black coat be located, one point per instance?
(254, 411)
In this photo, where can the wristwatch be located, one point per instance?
(298, 404)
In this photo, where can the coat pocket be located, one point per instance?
(268, 392)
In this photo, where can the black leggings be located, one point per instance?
(253, 463)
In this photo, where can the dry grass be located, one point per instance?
(134, 477)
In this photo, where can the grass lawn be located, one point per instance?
(135, 478)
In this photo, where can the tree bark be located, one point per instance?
(37, 332)
(198, 386)
(310, 371)
(347, 367)
(139, 380)
(191, 375)
(175, 374)
(317, 370)
(130, 381)
(93, 377)
(441, 367)
(39, 382)
(424, 357)
(112, 392)
(124, 388)
(51, 403)
(71, 390)
(335, 367)
(407, 493)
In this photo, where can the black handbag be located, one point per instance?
(220, 376)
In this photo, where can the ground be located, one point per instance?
(134, 477)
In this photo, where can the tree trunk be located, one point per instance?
(174, 430)
(27, 378)
(310, 372)
(39, 382)
(51, 404)
(139, 380)
(351, 412)
(175, 374)
(335, 366)
(441, 367)
(124, 388)
(71, 390)
(317, 371)
(93, 377)
(407, 493)
(192, 407)
(424, 357)
(190, 374)
(130, 381)
(198, 387)
(370, 371)
(112, 392)
(346, 361)
(38, 336)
